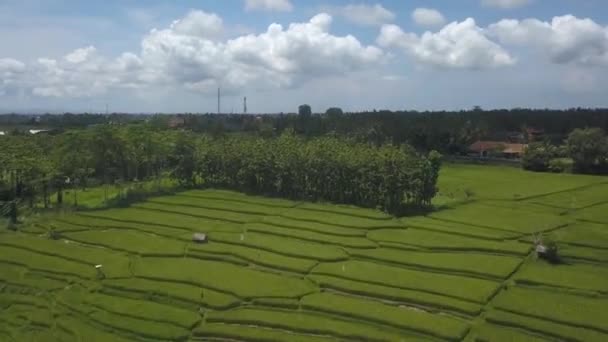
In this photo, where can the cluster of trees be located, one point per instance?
(392, 178)
(584, 151)
(328, 168)
(34, 166)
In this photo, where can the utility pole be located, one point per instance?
(245, 105)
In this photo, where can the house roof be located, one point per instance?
(506, 147)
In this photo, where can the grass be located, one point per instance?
(592, 254)
(304, 323)
(429, 301)
(503, 218)
(456, 228)
(584, 234)
(80, 223)
(142, 309)
(344, 241)
(130, 242)
(115, 264)
(473, 263)
(466, 288)
(46, 263)
(218, 204)
(574, 276)
(563, 308)
(281, 245)
(497, 333)
(279, 270)
(577, 199)
(253, 255)
(222, 276)
(209, 214)
(317, 227)
(349, 210)
(77, 303)
(218, 300)
(155, 290)
(340, 220)
(83, 331)
(505, 183)
(541, 326)
(237, 197)
(255, 334)
(134, 215)
(443, 241)
(285, 303)
(597, 214)
(400, 317)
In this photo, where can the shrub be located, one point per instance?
(561, 165)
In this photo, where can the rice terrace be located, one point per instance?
(303, 171)
(279, 270)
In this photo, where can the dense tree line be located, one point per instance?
(449, 132)
(390, 177)
(327, 168)
(584, 151)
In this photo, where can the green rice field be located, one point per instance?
(280, 270)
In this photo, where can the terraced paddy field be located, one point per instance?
(279, 270)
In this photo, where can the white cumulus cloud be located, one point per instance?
(366, 15)
(460, 45)
(191, 54)
(428, 17)
(566, 39)
(269, 5)
(506, 4)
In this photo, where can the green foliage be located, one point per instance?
(304, 111)
(320, 169)
(334, 112)
(561, 165)
(589, 150)
(538, 156)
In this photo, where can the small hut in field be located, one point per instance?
(200, 238)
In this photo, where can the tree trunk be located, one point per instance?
(60, 195)
(13, 213)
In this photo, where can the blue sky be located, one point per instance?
(63, 55)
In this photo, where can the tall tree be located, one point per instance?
(589, 150)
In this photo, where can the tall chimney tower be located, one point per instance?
(245, 105)
(218, 100)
